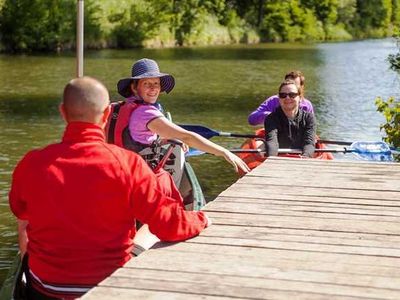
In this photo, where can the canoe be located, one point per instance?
(255, 159)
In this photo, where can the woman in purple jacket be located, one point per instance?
(257, 117)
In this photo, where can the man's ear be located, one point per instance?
(106, 114)
(61, 109)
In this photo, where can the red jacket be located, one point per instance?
(81, 198)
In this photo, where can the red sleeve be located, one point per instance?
(165, 216)
(15, 198)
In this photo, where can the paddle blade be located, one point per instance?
(193, 152)
(202, 130)
(372, 151)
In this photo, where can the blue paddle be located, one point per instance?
(209, 133)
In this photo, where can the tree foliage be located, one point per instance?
(391, 111)
(37, 25)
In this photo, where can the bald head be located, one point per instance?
(85, 100)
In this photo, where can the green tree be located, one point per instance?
(289, 21)
(373, 18)
(391, 108)
(325, 10)
(391, 111)
(42, 25)
(142, 22)
(395, 13)
(345, 13)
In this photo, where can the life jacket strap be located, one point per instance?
(113, 122)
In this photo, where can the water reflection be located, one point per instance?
(354, 75)
(217, 87)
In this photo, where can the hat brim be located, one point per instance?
(167, 83)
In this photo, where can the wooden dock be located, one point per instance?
(292, 229)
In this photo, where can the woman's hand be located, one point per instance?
(236, 162)
(185, 147)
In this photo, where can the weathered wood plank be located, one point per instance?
(305, 236)
(230, 264)
(319, 247)
(389, 171)
(355, 184)
(294, 203)
(324, 224)
(262, 189)
(123, 293)
(131, 293)
(293, 210)
(255, 254)
(245, 287)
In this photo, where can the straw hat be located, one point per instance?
(145, 68)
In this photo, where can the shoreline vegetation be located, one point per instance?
(45, 26)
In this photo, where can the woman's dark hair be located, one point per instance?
(288, 82)
(297, 74)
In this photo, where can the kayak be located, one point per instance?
(255, 159)
(185, 179)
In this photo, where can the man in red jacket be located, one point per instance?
(77, 201)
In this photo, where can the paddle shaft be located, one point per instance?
(209, 133)
(288, 151)
(239, 135)
(299, 151)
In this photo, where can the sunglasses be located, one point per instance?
(291, 95)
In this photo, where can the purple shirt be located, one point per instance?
(269, 105)
(138, 121)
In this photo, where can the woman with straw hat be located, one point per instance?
(147, 122)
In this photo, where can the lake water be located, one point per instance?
(217, 87)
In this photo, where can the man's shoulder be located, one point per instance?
(121, 153)
(33, 156)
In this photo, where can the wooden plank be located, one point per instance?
(122, 293)
(329, 204)
(257, 280)
(324, 224)
(132, 293)
(293, 210)
(252, 187)
(244, 287)
(294, 245)
(305, 236)
(230, 264)
(331, 170)
(355, 184)
(280, 198)
(255, 254)
(309, 163)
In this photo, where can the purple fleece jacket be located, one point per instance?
(257, 117)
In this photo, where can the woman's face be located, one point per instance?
(148, 89)
(289, 98)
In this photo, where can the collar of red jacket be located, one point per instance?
(83, 132)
